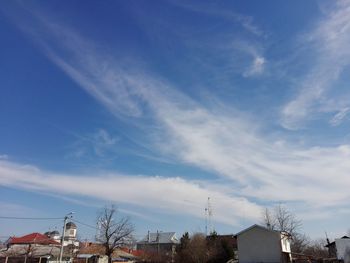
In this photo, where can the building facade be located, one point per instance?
(259, 244)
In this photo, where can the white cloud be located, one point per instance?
(221, 141)
(14, 209)
(102, 141)
(247, 22)
(104, 138)
(277, 172)
(329, 42)
(169, 195)
(97, 144)
(253, 53)
(3, 157)
(228, 145)
(339, 117)
(256, 68)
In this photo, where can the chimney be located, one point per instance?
(148, 237)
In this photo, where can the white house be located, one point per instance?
(340, 249)
(70, 237)
(260, 244)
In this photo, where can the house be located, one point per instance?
(95, 253)
(340, 249)
(159, 241)
(91, 258)
(42, 246)
(70, 238)
(32, 239)
(70, 233)
(34, 245)
(54, 235)
(70, 242)
(260, 244)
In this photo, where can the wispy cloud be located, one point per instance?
(247, 22)
(340, 116)
(328, 41)
(223, 141)
(98, 143)
(265, 169)
(257, 66)
(170, 195)
(15, 209)
(3, 157)
(258, 63)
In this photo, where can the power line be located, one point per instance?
(84, 224)
(30, 218)
(46, 218)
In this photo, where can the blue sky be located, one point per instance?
(156, 106)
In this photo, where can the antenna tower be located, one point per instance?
(208, 218)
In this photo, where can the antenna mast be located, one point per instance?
(208, 218)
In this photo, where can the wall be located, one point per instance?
(153, 247)
(343, 249)
(285, 242)
(70, 232)
(22, 260)
(259, 245)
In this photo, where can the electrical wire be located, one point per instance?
(30, 218)
(84, 224)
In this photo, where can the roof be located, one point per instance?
(161, 238)
(33, 238)
(136, 253)
(88, 255)
(71, 225)
(52, 234)
(256, 226)
(89, 249)
(92, 248)
(333, 243)
(35, 251)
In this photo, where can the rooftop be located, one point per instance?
(33, 238)
(160, 237)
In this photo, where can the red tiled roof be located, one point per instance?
(33, 238)
(92, 248)
(136, 253)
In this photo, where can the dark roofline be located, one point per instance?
(332, 243)
(259, 226)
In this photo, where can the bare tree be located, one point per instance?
(287, 221)
(316, 248)
(300, 243)
(113, 233)
(281, 219)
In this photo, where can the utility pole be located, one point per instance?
(64, 231)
